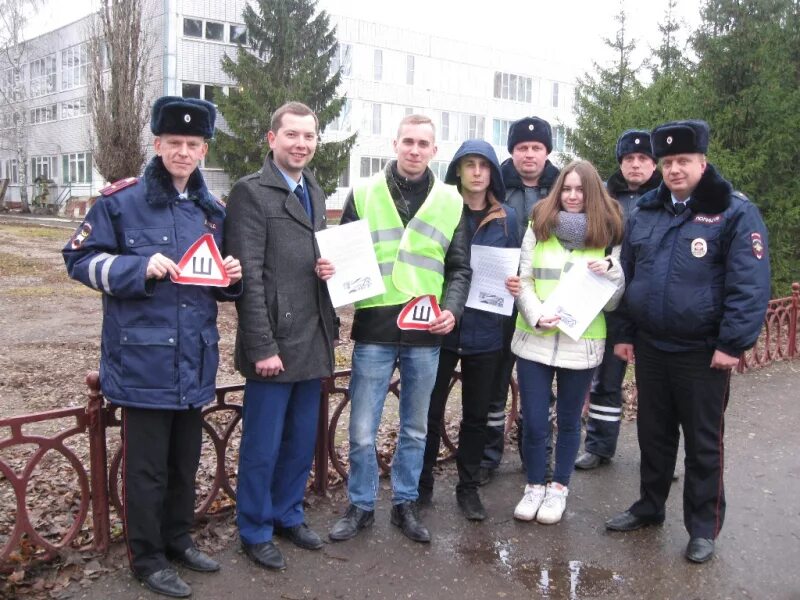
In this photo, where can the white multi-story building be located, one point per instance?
(468, 90)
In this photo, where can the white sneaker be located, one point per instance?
(553, 505)
(530, 503)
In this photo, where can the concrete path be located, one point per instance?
(758, 552)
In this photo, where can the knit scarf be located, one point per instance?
(571, 230)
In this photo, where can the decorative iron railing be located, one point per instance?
(23, 448)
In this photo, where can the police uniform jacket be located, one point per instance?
(285, 308)
(159, 340)
(699, 280)
(522, 198)
(619, 190)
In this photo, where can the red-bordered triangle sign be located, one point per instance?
(202, 264)
(419, 313)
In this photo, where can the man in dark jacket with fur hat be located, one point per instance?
(528, 176)
(478, 339)
(697, 275)
(637, 175)
(159, 350)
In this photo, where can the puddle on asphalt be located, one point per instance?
(551, 579)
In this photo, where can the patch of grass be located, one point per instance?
(37, 231)
(18, 265)
(48, 291)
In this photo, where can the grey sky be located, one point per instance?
(569, 31)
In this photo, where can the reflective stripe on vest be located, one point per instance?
(411, 259)
(550, 260)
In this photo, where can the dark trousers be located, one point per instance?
(535, 389)
(279, 426)
(161, 452)
(680, 389)
(477, 376)
(605, 405)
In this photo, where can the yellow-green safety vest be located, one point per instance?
(411, 258)
(550, 261)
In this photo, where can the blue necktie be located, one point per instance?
(300, 192)
(679, 207)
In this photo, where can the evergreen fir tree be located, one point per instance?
(602, 101)
(287, 57)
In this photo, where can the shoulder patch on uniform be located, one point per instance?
(83, 232)
(118, 185)
(758, 245)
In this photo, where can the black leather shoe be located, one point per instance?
(300, 535)
(424, 496)
(265, 554)
(588, 461)
(354, 520)
(406, 517)
(627, 521)
(194, 559)
(485, 475)
(167, 582)
(700, 550)
(470, 504)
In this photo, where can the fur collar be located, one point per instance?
(512, 179)
(711, 196)
(617, 185)
(161, 191)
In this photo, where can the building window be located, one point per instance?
(191, 90)
(12, 173)
(500, 132)
(342, 120)
(211, 93)
(410, 69)
(372, 164)
(409, 110)
(377, 65)
(344, 179)
(237, 34)
(43, 76)
(202, 91)
(445, 126)
(74, 66)
(44, 114)
(76, 167)
(559, 138)
(376, 119)
(508, 86)
(74, 108)
(215, 31)
(43, 167)
(555, 94)
(439, 168)
(343, 59)
(11, 82)
(193, 28)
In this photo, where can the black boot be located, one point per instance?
(406, 517)
(470, 504)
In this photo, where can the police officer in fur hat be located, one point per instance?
(698, 280)
(159, 350)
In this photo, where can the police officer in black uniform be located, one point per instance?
(697, 274)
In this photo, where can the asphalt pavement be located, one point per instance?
(758, 551)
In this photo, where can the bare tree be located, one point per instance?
(121, 46)
(14, 15)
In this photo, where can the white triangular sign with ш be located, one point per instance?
(202, 264)
(419, 313)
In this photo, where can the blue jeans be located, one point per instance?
(373, 365)
(535, 384)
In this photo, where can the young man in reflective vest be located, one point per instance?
(421, 244)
